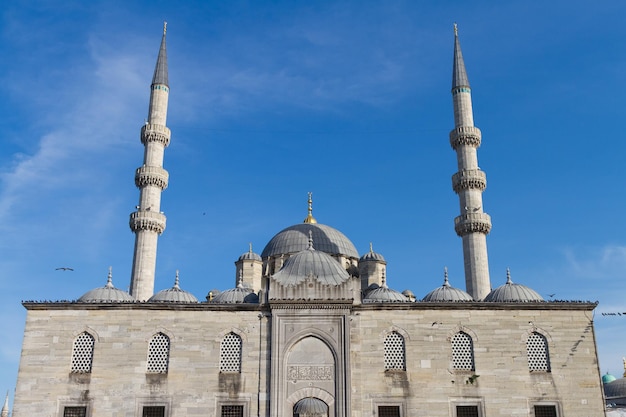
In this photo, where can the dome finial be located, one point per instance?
(371, 248)
(508, 275)
(164, 27)
(456, 30)
(445, 277)
(176, 281)
(309, 217)
(110, 278)
(311, 240)
(250, 247)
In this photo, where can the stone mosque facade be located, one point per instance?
(311, 328)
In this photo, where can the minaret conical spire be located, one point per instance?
(148, 222)
(5, 407)
(469, 182)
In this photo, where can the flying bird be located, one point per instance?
(551, 295)
(64, 268)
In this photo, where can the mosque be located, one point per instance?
(311, 328)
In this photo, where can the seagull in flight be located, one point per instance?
(64, 268)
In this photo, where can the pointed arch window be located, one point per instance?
(395, 353)
(82, 353)
(537, 350)
(230, 353)
(158, 354)
(462, 352)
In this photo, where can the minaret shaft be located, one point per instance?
(148, 222)
(469, 182)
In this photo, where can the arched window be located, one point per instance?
(82, 353)
(462, 352)
(230, 353)
(158, 354)
(537, 350)
(395, 357)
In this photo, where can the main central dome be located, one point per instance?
(295, 239)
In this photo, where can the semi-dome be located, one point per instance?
(310, 407)
(173, 295)
(249, 256)
(511, 292)
(384, 294)
(311, 263)
(372, 256)
(447, 292)
(106, 294)
(295, 239)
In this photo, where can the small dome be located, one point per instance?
(447, 293)
(384, 294)
(608, 378)
(295, 239)
(372, 256)
(310, 407)
(106, 294)
(250, 256)
(311, 263)
(511, 292)
(408, 293)
(173, 295)
(236, 295)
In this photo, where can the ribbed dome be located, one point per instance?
(384, 294)
(447, 293)
(606, 378)
(106, 294)
(296, 239)
(173, 295)
(247, 256)
(511, 292)
(310, 407)
(311, 263)
(616, 388)
(236, 295)
(372, 256)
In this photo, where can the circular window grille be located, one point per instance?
(462, 352)
(82, 353)
(158, 354)
(537, 349)
(230, 353)
(394, 351)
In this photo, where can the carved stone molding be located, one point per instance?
(155, 133)
(310, 372)
(147, 220)
(465, 135)
(155, 176)
(469, 179)
(472, 223)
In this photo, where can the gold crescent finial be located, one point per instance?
(456, 30)
(164, 27)
(309, 217)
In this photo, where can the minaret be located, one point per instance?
(469, 182)
(148, 222)
(5, 407)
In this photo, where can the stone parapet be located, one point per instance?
(155, 133)
(472, 223)
(147, 175)
(147, 220)
(465, 135)
(469, 179)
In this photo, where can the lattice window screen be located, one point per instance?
(75, 412)
(388, 411)
(82, 353)
(232, 411)
(462, 352)
(545, 411)
(230, 353)
(159, 354)
(467, 411)
(394, 351)
(537, 349)
(154, 411)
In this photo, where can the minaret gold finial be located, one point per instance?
(164, 27)
(456, 30)
(309, 217)
(624, 361)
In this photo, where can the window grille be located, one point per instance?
(462, 352)
(232, 411)
(74, 411)
(82, 353)
(545, 411)
(158, 354)
(230, 353)
(394, 351)
(154, 411)
(467, 411)
(388, 411)
(537, 349)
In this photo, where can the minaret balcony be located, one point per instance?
(155, 176)
(472, 223)
(147, 220)
(155, 133)
(467, 179)
(465, 136)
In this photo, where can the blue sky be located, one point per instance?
(350, 100)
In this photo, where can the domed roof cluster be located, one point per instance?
(106, 294)
(447, 293)
(173, 295)
(511, 292)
